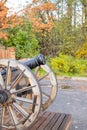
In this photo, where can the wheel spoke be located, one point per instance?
(46, 95)
(45, 85)
(2, 81)
(17, 80)
(37, 69)
(23, 99)
(8, 75)
(35, 99)
(44, 76)
(21, 110)
(13, 91)
(15, 119)
(3, 114)
(48, 84)
(13, 115)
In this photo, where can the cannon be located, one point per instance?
(24, 91)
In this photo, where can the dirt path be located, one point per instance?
(72, 100)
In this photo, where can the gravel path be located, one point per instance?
(72, 101)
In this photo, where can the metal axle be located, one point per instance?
(3, 96)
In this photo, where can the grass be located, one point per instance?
(71, 74)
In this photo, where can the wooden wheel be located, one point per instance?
(13, 83)
(48, 84)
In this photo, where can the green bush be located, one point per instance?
(23, 39)
(69, 65)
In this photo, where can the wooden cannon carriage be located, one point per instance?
(24, 92)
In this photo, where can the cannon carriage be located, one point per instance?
(24, 92)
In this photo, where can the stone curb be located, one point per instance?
(71, 78)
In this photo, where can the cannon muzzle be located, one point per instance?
(36, 61)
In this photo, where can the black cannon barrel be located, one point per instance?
(31, 63)
(36, 61)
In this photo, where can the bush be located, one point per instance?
(69, 65)
(82, 51)
(23, 39)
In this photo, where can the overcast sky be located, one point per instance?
(16, 5)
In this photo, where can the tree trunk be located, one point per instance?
(84, 18)
(74, 15)
(69, 14)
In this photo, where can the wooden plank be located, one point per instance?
(51, 121)
(58, 122)
(66, 123)
(44, 124)
(40, 121)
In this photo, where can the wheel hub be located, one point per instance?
(4, 96)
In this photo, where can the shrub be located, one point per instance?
(23, 39)
(82, 51)
(68, 64)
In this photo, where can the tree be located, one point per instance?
(16, 31)
(41, 15)
(57, 26)
(84, 18)
(3, 19)
(7, 21)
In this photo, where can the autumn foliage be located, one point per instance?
(3, 13)
(7, 21)
(3, 19)
(41, 15)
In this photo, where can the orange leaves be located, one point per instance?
(47, 7)
(14, 20)
(41, 15)
(3, 11)
(6, 21)
(44, 7)
(3, 35)
(3, 20)
(42, 26)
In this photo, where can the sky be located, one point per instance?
(16, 5)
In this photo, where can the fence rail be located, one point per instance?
(7, 53)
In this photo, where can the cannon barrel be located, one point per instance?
(31, 63)
(36, 61)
